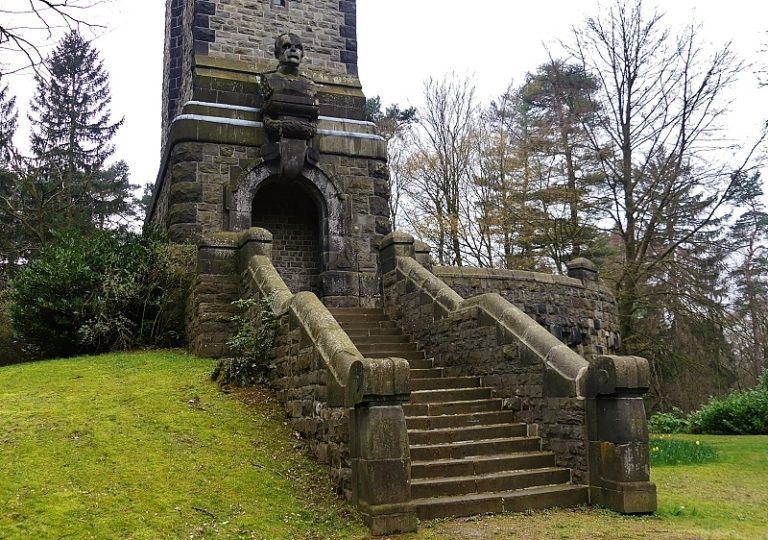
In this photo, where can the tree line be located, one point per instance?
(614, 151)
(64, 181)
(74, 277)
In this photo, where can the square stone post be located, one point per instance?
(381, 466)
(619, 470)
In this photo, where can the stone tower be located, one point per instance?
(221, 168)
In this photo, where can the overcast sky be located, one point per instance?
(402, 43)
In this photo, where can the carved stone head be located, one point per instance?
(289, 50)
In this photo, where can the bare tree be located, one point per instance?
(439, 170)
(27, 25)
(662, 96)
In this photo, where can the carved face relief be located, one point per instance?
(289, 50)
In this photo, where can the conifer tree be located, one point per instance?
(8, 121)
(72, 132)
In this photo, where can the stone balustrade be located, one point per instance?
(550, 386)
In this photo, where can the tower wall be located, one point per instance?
(217, 55)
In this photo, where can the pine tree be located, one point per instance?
(72, 132)
(8, 121)
(8, 225)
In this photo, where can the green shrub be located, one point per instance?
(669, 422)
(11, 350)
(738, 413)
(665, 451)
(88, 294)
(251, 345)
(762, 383)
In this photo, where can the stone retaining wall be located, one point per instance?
(580, 313)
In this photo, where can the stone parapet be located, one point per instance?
(348, 407)
(579, 312)
(547, 384)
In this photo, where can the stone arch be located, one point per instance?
(313, 184)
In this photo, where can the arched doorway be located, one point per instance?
(293, 217)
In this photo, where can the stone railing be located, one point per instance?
(348, 407)
(590, 416)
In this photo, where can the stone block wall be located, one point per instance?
(246, 30)
(580, 313)
(215, 288)
(192, 201)
(300, 376)
(295, 239)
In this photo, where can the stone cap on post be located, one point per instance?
(254, 241)
(582, 268)
(395, 244)
(618, 375)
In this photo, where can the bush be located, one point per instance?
(251, 346)
(11, 351)
(671, 422)
(738, 413)
(110, 290)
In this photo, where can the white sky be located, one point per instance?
(402, 43)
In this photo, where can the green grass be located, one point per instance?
(665, 450)
(144, 446)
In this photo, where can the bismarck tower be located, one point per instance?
(263, 126)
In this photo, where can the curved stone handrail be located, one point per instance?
(566, 371)
(354, 378)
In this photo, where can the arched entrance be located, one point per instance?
(293, 216)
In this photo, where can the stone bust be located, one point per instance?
(290, 107)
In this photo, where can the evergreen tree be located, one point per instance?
(71, 136)
(8, 120)
(559, 97)
(8, 225)
(749, 244)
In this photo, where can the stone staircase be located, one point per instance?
(468, 455)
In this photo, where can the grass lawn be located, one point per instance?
(142, 445)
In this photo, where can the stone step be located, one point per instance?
(509, 501)
(412, 355)
(444, 383)
(482, 464)
(355, 333)
(361, 319)
(460, 420)
(355, 311)
(365, 324)
(463, 449)
(488, 483)
(453, 407)
(421, 363)
(392, 349)
(381, 340)
(429, 373)
(471, 433)
(442, 396)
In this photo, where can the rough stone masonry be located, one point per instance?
(263, 128)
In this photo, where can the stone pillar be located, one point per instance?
(422, 255)
(583, 269)
(619, 470)
(215, 288)
(395, 244)
(381, 467)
